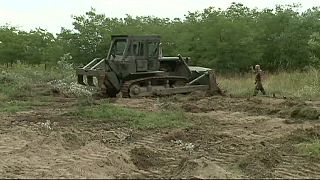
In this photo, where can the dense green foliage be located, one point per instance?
(227, 40)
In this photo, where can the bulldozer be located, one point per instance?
(135, 67)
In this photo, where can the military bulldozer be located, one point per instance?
(136, 67)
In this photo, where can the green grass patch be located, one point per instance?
(310, 148)
(15, 91)
(18, 106)
(14, 106)
(134, 118)
(20, 80)
(34, 74)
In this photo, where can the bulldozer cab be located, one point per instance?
(140, 53)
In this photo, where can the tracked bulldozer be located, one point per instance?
(136, 67)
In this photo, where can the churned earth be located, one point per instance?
(225, 137)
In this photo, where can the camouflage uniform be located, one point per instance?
(258, 83)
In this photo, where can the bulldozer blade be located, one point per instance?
(80, 80)
(101, 82)
(212, 82)
(90, 80)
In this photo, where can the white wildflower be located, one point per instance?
(46, 125)
(71, 89)
(189, 146)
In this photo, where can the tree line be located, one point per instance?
(229, 40)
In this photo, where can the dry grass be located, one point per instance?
(304, 85)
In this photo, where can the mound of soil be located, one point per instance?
(145, 158)
(201, 168)
(71, 141)
(260, 163)
(186, 135)
(263, 163)
(306, 113)
(195, 108)
(175, 135)
(302, 135)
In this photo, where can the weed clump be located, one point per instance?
(305, 113)
(310, 148)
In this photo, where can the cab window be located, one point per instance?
(138, 48)
(119, 47)
(153, 49)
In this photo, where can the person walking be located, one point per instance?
(258, 81)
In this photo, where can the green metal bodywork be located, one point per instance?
(134, 57)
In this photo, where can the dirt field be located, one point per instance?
(227, 138)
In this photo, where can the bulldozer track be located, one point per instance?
(126, 85)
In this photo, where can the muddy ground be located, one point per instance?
(228, 138)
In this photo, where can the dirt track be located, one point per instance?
(228, 138)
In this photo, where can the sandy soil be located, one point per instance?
(228, 138)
